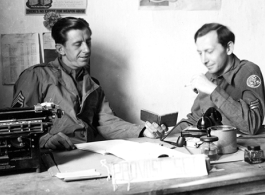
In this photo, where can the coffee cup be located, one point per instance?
(226, 134)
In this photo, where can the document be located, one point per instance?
(19, 51)
(180, 4)
(81, 160)
(130, 150)
(48, 47)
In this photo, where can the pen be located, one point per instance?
(242, 148)
(75, 178)
(188, 150)
(167, 133)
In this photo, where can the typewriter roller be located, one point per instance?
(20, 130)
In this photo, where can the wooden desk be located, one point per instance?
(236, 178)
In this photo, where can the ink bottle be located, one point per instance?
(253, 155)
(209, 148)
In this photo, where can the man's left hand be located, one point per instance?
(154, 130)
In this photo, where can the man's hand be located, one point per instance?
(202, 84)
(60, 141)
(154, 130)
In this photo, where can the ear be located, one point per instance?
(230, 48)
(60, 49)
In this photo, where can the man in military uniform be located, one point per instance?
(232, 86)
(67, 83)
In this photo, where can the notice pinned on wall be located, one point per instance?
(180, 4)
(19, 51)
(48, 47)
(33, 7)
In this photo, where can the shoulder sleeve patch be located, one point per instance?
(18, 101)
(253, 81)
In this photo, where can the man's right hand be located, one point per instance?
(202, 84)
(60, 141)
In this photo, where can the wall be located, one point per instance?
(143, 58)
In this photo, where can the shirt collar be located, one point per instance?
(68, 70)
(65, 68)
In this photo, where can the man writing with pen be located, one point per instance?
(232, 86)
(67, 83)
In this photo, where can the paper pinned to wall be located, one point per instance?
(60, 6)
(19, 51)
(48, 42)
(180, 4)
(48, 47)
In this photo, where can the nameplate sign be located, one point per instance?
(157, 169)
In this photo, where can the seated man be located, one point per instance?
(67, 83)
(234, 87)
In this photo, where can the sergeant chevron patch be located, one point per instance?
(19, 100)
(254, 104)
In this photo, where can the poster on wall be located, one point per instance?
(19, 51)
(180, 4)
(34, 7)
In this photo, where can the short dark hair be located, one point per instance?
(225, 35)
(63, 25)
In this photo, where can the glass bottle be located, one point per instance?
(253, 155)
(209, 148)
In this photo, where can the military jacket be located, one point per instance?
(84, 117)
(239, 97)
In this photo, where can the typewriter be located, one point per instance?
(20, 130)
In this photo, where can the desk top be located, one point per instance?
(235, 178)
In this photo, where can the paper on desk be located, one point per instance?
(77, 175)
(130, 150)
(81, 160)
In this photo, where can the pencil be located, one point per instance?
(188, 150)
